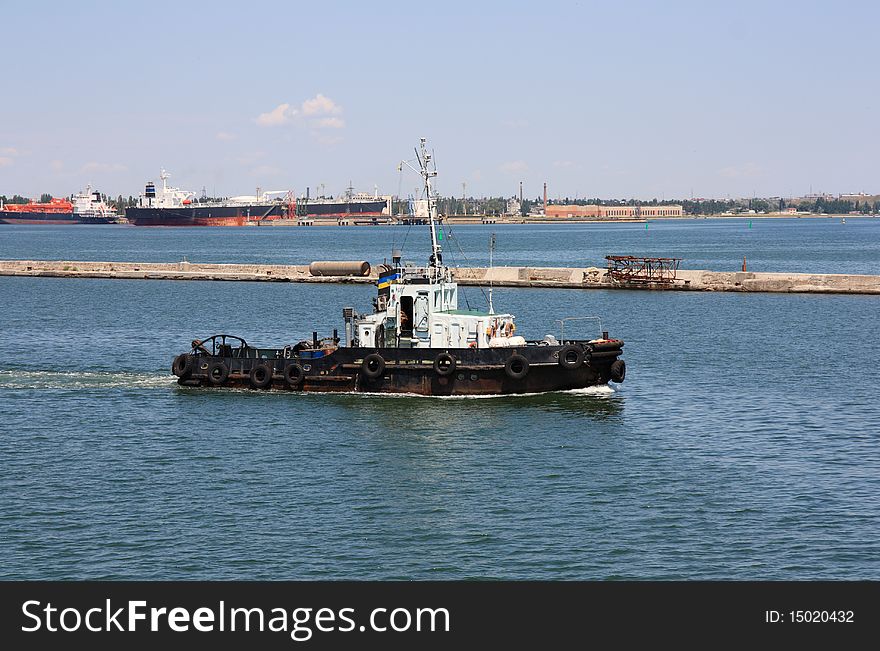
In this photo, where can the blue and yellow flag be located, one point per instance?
(387, 281)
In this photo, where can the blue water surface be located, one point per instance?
(744, 443)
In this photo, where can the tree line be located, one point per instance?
(498, 205)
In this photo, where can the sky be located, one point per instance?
(597, 99)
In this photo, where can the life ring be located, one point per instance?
(373, 366)
(516, 367)
(444, 364)
(294, 374)
(261, 376)
(182, 366)
(618, 370)
(218, 373)
(571, 357)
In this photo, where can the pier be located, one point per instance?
(550, 277)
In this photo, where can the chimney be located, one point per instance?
(545, 197)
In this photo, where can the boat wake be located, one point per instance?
(32, 379)
(602, 391)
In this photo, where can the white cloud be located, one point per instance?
(56, 165)
(320, 105)
(329, 123)
(223, 135)
(93, 166)
(319, 111)
(564, 163)
(8, 151)
(515, 124)
(514, 167)
(281, 114)
(5, 161)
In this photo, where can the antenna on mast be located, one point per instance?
(491, 251)
(428, 170)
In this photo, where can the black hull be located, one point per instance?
(48, 218)
(98, 220)
(407, 370)
(206, 215)
(342, 209)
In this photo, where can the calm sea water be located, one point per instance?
(744, 444)
(814, 245)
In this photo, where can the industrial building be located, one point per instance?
(612, 212)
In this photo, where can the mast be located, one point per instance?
(424, 157)
(491, 251)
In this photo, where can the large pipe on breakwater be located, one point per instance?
(339, 268)
(551, 277)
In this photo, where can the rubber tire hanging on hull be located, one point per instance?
(260, 376)
(218, 373)
(571, 357)
(182, 366)
(618, 370)
(444, 364)
(373, 366)
(516, 361)
(294, 374)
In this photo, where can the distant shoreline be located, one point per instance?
(533, 220)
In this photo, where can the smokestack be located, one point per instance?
(520, 192)
(545, 197)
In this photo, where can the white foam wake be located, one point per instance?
(36, 379)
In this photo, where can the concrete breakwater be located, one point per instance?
(558, 277)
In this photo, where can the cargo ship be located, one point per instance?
(86, 208)
(169, 206)
(89, 208)
(352, 205)
(54, 211)
(416, 340)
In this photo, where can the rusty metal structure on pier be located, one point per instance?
(632, 269)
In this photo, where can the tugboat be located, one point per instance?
(415, 341)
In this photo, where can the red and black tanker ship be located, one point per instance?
(54, 211)
(167, 206)
(87, 208)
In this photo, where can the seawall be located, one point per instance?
(558, 277)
